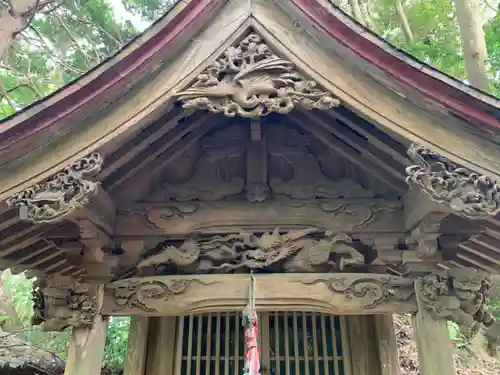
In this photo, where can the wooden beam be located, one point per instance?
(435, 351)
(387, 344)
(363, 345)
(137, 348)
(86, 348)
(177, 219)
(162, 334)
(328, 293)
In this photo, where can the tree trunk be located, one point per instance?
(15, 16)
(473, 42)
(356, 11)
(404, 22)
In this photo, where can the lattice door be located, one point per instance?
(290, 343)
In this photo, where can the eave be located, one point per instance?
(114, 108)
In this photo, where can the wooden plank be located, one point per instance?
(435, 350)
(387, 344)
(135, 360)
(337, 215)
(161, 346)
(328, 293)
(363, 345)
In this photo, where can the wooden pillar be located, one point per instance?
(387, 344)
(86, 349)
(363, 345)
(161, 346)
(137, 347)
(435, 350)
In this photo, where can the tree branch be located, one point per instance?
(404, 22)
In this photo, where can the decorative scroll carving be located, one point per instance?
(61, 305)
(308, 181)
(207, 182)
(308, 250)
(60, 195)
(468, 193)
(459, 295)
(139, 294)
(372, 291)
(249, 80)
(181, 219)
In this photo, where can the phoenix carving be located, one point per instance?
(250, 81)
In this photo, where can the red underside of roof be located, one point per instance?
(77, 95)
(443, 93)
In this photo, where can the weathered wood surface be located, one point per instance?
(363, 345)
(161, 352)
(137, 348)
(435, 350)
(387, 344)
(86, 347)
(339, 294)
(181, 219)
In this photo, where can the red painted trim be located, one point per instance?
(78, 95)
(399, 69)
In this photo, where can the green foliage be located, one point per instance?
(20, 288)
(57, 48)
(150, 10)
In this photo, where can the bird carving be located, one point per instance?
(248, 87)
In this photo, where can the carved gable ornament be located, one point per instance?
(468, 193)
(60, 195)
(249, 80)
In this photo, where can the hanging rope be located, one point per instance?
(250, 323)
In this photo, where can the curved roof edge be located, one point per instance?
(109, 74)
(450, 92)
(465, 101)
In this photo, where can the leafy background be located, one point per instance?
(61, 44)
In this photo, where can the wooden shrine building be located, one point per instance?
(276, 137)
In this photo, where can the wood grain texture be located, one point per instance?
(337, 294)
(137, 348)
(181, 219)
(435, 350)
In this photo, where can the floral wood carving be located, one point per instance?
(140, 294)
(59, 196)
(58, 306)
(459, 295)
(308, 250)
(249, 80)
(468, 193)
(372, 291)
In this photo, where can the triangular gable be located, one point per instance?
(312, 50)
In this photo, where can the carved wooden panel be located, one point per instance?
(181, 219)
(259, 160)
(329, 293)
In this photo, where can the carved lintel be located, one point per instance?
(140, 294)
(59, 304)
(60, 195)
(466, 192)
(308, 250)
(459, 295)
(249, 80)
(176, 219)
(371, 291)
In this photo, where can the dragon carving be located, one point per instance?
(459, 295)
(468, 193)
(308, 250)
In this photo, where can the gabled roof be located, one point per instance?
(460, 105)
(126, 109)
